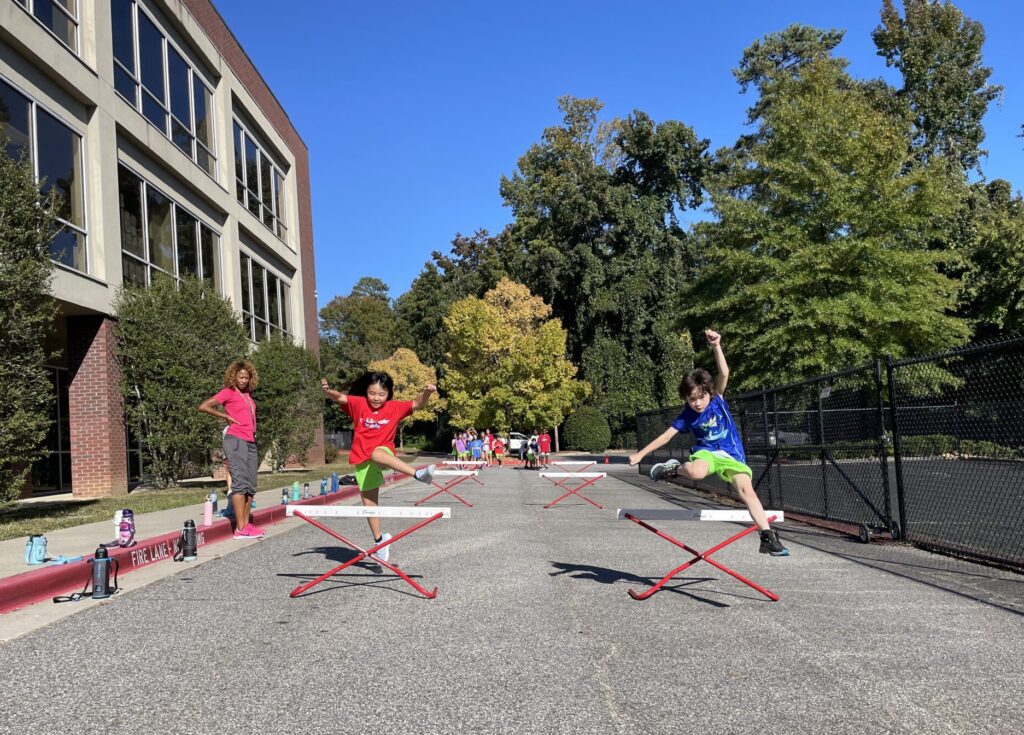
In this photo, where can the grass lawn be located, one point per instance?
(21, 519)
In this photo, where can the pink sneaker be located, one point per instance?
(252, 532)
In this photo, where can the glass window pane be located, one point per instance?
(181, 137)
(151, 57)
(266, 180)
(126, 86)
(279, 196)
(259, 303)
(14, 113)
(133, 271)
(246, 301)
(161, 245)
(178, 81)
(248, 321)
(285, 305)
(154, 112)
(45, 473)
(60, 166)
(202, 107)
(239, 158)
(68, 248)
(252, 178)
(188, 252)
(210, 256)
(64, 403)
(272, 299)
(57, 21)
(130, 202)
(204, 159)
(124, 33)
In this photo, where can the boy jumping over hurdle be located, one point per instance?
(717, 447)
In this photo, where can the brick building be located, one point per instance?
(172, 158)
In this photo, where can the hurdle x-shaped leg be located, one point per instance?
(697, 555)
(589, 479)
(364, 553)
(458, 476)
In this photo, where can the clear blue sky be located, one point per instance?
(412, 111)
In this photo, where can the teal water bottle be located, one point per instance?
(295, 491)
(323, 486)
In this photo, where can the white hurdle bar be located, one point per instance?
(457, 463)
(456, 473)
(359, 511)
(572, 463)
(695, 514)
(585, 475)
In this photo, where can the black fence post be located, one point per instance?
(883, 447)
(824, 448)
(896, 450)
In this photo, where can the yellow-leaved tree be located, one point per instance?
(506, 366)
(410, 376)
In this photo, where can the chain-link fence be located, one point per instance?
(928, 449)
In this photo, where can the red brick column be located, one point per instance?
(99, 466)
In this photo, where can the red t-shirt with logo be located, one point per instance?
(373, 428)
(544, 443)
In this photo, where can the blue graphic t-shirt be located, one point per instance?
(713, 429)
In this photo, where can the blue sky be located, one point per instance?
(413, 111)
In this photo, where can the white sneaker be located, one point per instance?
(385, 553)
(426, 474)
(661, 469)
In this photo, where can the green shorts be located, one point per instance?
(721, 464)
(368, 474)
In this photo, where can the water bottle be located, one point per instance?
(334, 482)
(101, 574)
(295, 491)
(35, 549)
(208, 512)
(188, 541)
(305, 491)
(284, 496)
(253, 506)
(126, 529)
(323, 485)
(213, 501)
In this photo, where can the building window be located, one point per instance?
(55, 151)
(53, 472)
(152, 74)
(160, 238)
(259, 183)
(265, 300)
(59, 16)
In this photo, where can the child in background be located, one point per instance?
(460, 447)
(499, 449)
(375, 418)
(544, 449)
(476, 446)
(717, 448)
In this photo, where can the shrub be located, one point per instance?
(289, 400)
(587, 430)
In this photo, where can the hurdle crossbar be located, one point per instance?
(559, 479)
(694, 514)
(359, 511)
(460, 475)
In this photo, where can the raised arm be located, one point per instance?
(422, 398)
(722, 378)
(659, 441)
(334, 395)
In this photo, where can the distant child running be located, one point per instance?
(717, 448)
(239, 441)
(375, 418)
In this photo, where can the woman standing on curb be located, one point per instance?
(239, 443)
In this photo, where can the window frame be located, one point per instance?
(247, 263)
(278, 194)
(29, 6)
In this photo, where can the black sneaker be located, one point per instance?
(661, 469)
(770, 543)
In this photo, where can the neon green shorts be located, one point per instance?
(368, 474)
(721, 464)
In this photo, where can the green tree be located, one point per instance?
(506, 362)
(596, 235)
(289, 398)
(938, 51)
(357, 329)
(174, 342)
(587, 430)
(27, 312)
(820, 257)
(410, 376)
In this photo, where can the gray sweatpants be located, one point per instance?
(243, 464)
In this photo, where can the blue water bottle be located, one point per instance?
(334, 482)
(323, 486)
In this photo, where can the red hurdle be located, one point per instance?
(459, 477)
(589, 479)
(639, 516)
(353, 511)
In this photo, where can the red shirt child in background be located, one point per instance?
(544, 448)
(499, 449)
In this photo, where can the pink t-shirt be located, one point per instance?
(242, 408)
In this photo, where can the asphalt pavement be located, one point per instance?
(533, 631)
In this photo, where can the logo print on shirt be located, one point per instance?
(372, 423)
(712, 432)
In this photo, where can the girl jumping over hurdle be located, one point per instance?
(375, 418)
(717, 448)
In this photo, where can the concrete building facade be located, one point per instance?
(172, 157)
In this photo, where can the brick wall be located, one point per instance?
(213, 25)
(98, 446)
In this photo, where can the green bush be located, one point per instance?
(587, 430)
(289, 398)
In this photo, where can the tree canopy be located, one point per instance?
(410, 377)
